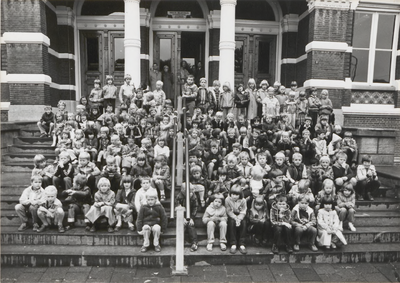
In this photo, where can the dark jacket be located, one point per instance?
(181, 200)
(48, 118)
(152, 215)
(66, 171)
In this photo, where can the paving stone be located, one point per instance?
(281, 269)
(10, 274)
(84, 269)
(54, 273)
(33, 269)
(215, 276)
(238, 279)
(324, 269)
(258, 267)
(366, 268)
(101, 273)
(375, 277)
(153, 272)
(172, 279)
(76, 276)
(193, 279)
(306, 274)
(196, 271)
(125, 270)
(388, 271)
(30, 277)
(146, 279)
(349, 275)
(237, 270)
(121, 277)
(261, 275)
(330, 278)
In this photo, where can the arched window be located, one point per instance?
(256, 10)
(191, 6)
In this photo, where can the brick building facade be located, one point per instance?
(54, 49)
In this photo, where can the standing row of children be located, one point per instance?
(257, 174)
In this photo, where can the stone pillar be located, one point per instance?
(227, 42)
(132, 40)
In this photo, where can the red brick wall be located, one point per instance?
(329, 25)
(144, 38)
(5, 93)
(301, 72)
(62, 71)
(27, 58)
(288, 74)
(144, 71)
(325, 65)
(214, 42)
(213, 71)
(57, 95)
(23, 94)
(374, 121)
(302, 36)
(289, 45)
(3, 57)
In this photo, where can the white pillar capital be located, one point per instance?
(228, 44)
(329, 4)
(131, 1)
(227, 2)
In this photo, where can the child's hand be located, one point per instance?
(238, 222)
(50, 214)
(191, 222)
(140, 232)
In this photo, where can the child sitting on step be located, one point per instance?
(46, 122)
(42, 169)
(125, 204)
(51, 211)
(32, 197)
(152, 219)
(346, 202)
(367, 179)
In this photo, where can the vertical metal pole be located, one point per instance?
(179, 138)
(187, 164)
(180, 269)
(173, 171)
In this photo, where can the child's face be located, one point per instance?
(217, 202)
(192, 159)
(231, 134)
(61, 107)
(324, 122)
(230, 118)
(243, 133)
(145, 184)
(115, 141)
(194, 134)
(214, 150)
(279, 160)
(103, 135)
(341, 160)
(95, 111)
(218, 117)
(327, 206)
(367, 164)
(127, 185)
(83, 161)
(36, 184)
(196, 175)
(321, 136)
(231, 163)
(189, 80)
(109, 82)
(235, 197)
(84, 118)
(303, 205)
(240, 89)
(210, 112)
(297, 161)
(51, 198)
(165, 120)
(96, 86)
(268, 119)
(328, 190)
(151, 201)
(139, 95)
(64, 159)
(104, 188)
(281, 204)
(255, 134)
(70, 117)
(258, 206)
(244, 160)
(306, 135)
(222, 177)
(203, 83)
(236, 151)
(47, 110)
(262, 160)
(141, 162)
(264, 86)
(324, 163)
(42, 164)
(324, 95)
(161, 143)
(346, 193)
(112, 165)
(58, 117)
(225, 88)
(308, 122)
(251, 85)
(109, 109)
(278, 179)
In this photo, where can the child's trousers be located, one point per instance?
(22, 211)
(279, 230)
(57, 219)
(261, 229)
(124, 211)
(222, 231)
(191, 233)
(346, 213)
(147, 230)
(59, 182)
(237, 234)
(74, 209)
(310, 233)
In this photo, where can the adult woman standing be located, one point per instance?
(168, 80)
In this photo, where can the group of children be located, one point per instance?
(266, 163)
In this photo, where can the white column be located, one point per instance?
(132, 40)
(227, 42)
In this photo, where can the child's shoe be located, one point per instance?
(313, 248)
(333, 246)
(296, 248)
(257, 241)
(117, 228)
(222, 246)
(23, 227)
(42, 229)
(144, 249)
(242, 249)
(61, 229)
(162, 198)
(233, 249)
(209, 247)
(351, 227)
(70, 226)
(110, 229)
(87, 228)
(194, 247)
(35, 227)
(289, 249)
(132, 228)
(43, 135)
(203, 203)
(275, 249)
(157, 248)
(92, 229)
(370, 197)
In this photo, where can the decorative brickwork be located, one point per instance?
(5, 93)
(3, 57)
(374, 121)
(24, 58)
(329, 25)
(302, 36)
(325, 65)
(31, 94)
(372, 97)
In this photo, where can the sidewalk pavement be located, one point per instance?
(298, 272)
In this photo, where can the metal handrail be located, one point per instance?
(173, 170)
(187, 183)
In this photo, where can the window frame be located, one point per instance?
(372, 50)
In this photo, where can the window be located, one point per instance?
(263, 57)
(239, 57)
(119, 54)
(373, 48)
(92, 53)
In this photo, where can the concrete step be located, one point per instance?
(130, 256)
(31, 148)
(79, 237)
(32, 140)
(17, 167)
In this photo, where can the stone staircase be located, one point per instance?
(377, 238)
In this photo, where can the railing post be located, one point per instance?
(173, 175)
(179, 161)
(180, 268)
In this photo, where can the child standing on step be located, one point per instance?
(103, 205)
(32, 197)
(151, 219)
(46, 122)
(51, 211)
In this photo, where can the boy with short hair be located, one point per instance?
(140, 198)
(32, 197)
(64, 174)
(367, 179)
(274, 187)
(46, 122)
(342, 172)
(189, 94)
(304, 223)
(151, 219)
(88, 169)
(51, 211)
(280, 219)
